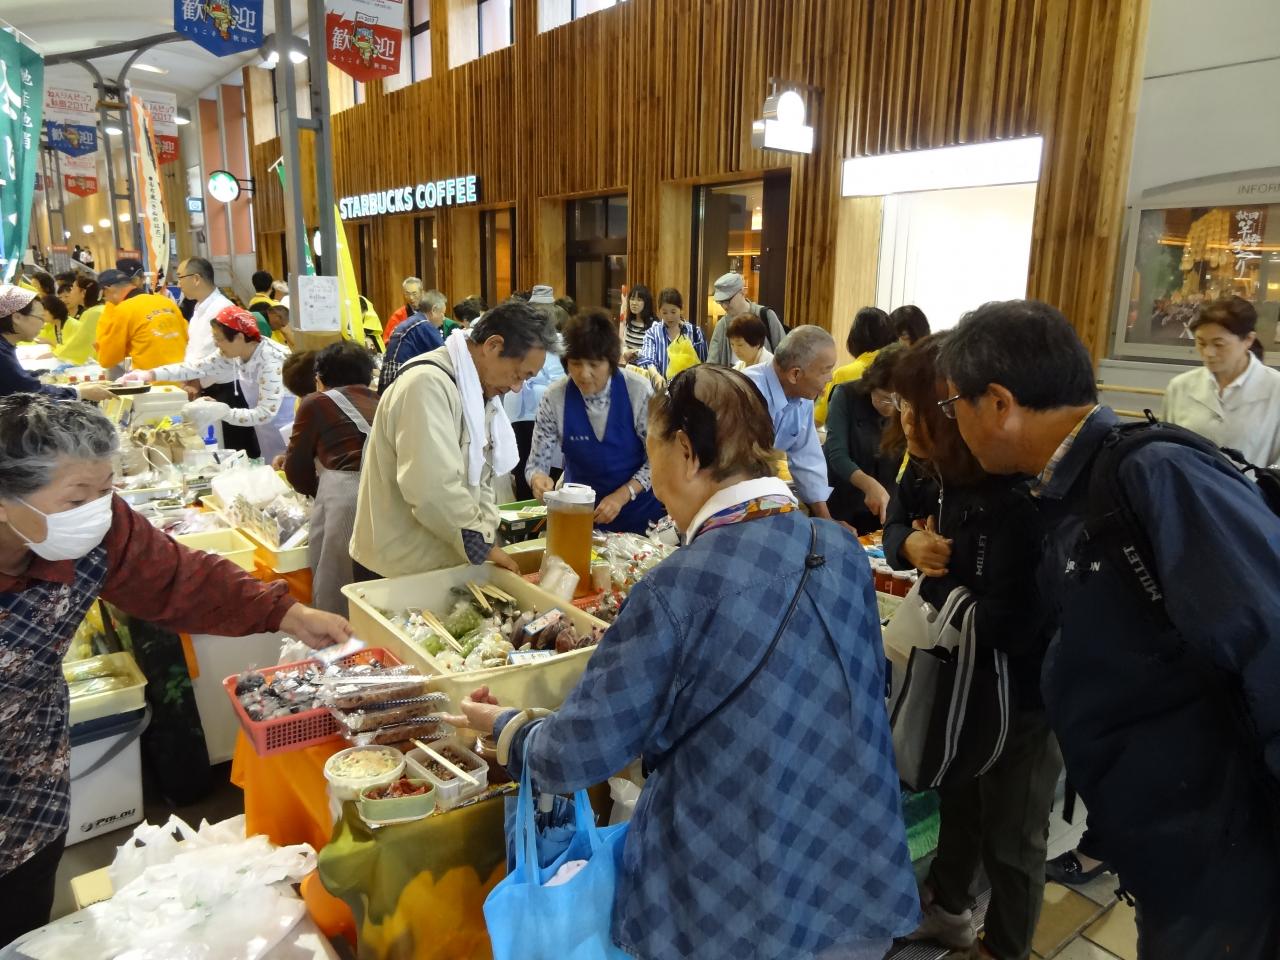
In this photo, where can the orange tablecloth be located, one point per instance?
(285, 799)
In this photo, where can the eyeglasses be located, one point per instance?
(891, 400)
(187, 276)
(949, 406)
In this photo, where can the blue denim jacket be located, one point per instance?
(776, 830)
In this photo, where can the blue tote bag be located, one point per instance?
(530, 921)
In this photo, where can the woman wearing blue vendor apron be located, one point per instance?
(593, 424)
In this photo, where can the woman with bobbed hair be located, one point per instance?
(593, 424)
(746, 669)
(65, 540)
(1234, 399)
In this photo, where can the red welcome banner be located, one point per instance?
(80, 175)
(80, 186)
(365, 37)
(164, 125)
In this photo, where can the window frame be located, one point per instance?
(416, 30)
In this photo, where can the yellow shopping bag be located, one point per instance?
(681, 356)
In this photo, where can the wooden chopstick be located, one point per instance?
(455, 770)
(480, 597)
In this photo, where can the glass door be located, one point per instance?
(498, 254)
(596, 251)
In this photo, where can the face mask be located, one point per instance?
(71, 534)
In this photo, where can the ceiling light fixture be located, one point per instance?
(782, 127)
(87, 228)
(112, 130)
(182, 116)
(104, 223)
(124, 217)
(149, 68)
(298, 51)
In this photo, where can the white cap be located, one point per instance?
(576, 493)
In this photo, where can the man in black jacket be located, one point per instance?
(1168, 717)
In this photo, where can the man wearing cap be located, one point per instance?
(146, 327)
(195, 280)
(729, 292)
(418, 335)
(255, 367)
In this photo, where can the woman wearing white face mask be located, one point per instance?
(256, 364)
(65, 540)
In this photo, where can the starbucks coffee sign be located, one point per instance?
(453, 192)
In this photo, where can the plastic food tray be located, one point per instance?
(449, 793)
(94, 706)
(282, 734)
(273, 558)
(544, 683)
(229, 544)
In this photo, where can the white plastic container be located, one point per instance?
(348, 788)
(161, 401)
(106, 774)
(449, 793)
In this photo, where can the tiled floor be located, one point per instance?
(1083, 923)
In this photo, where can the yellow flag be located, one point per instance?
(352, 314)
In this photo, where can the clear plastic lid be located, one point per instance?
(577, 494)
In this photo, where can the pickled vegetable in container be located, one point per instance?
(570, 517)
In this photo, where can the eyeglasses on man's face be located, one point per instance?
(948, 406)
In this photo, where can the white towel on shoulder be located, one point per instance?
(503, 452)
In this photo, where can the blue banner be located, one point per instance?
(21, 107)
(223, 27)
(73, 139)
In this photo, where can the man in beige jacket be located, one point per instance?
(426, 499)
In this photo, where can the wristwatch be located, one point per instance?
(631, 490)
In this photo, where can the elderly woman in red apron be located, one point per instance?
(256, 365)
(65, 540)
(593, 423)
(323, 461)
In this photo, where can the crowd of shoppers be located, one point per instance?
(980, 452)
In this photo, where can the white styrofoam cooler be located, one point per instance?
(106, 774)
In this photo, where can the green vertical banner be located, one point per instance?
(21, 109)
(310, 268)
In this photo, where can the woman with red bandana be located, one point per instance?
(255, 363)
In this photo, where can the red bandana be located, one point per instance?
(238, 320)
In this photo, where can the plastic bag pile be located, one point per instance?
(184, 894)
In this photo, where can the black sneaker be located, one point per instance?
(1067, 870)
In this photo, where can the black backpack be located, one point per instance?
(1112, 526)
(1112, 530)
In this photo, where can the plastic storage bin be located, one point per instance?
(273, 558)
(449, 793)
(106, 774)
(229, 544)
(282, 734)
(127, 697)
(544, 683)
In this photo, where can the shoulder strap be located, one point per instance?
(422, 361)
(343, 403)
(1111, 523)
(812, 561)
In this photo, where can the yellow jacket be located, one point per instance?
(147, 327)
(850, 371)
(78, 335)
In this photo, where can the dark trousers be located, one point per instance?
(524, 443)
(235, 438)
(999, 821)
(362, 574)
(26, 893)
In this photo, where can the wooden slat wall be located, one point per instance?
(652, 92)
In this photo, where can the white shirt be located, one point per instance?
(765, 356)
(200, 337)
(1245, 416)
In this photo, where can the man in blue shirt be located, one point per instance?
(1167, 708)
(418, 335)
(800, 371)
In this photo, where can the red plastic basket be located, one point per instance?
(282, 734)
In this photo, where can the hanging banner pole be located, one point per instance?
(21, 109)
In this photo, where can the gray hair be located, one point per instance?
(37, 431)
(432, 299)
(522, 327)
(409, 281)
(801, 346)
(201, 268)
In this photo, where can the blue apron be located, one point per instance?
(605, 465)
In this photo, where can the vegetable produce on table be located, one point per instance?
(485, 626)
